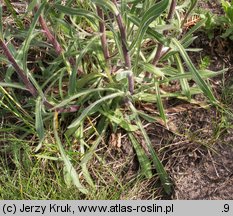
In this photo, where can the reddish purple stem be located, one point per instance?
(102, 30)
(49, 35)
(18, 70)
(160, 46)
(30, 87)
(54, 41)
(159, 53)
(125, 49)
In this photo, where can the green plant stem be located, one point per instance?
(125, 49)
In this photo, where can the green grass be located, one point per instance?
(24, 175)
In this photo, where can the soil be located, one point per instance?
(203, 167)
(211, 178)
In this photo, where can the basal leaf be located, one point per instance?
(70, 172)
(142, 157)
(196, 76)
(92, 106)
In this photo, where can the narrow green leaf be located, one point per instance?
(90, 46)
(83, 164)
(89, 154)
(160, 103)
(93, 105)
(152, 69)
(107, 3)
(67, 177)
(150, 15)
(13, 85)
(72, 82)
(85, 92)
(30, 35)
(70, 170)
(192, 30)
(88, 78)
(151, 32)
(187, 75)
(183, 82)
(147, 117)
(47, 157)
(77, 12)
(142, 157)
(31, 5)
(164, 178)
(196, 76)
(119, 120)
(87, 175)
(39, 120)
